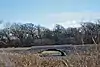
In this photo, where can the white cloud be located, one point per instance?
(72, 19)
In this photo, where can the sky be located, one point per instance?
(68, 13)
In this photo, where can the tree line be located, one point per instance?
(26, 35)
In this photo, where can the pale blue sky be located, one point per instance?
(49, 12)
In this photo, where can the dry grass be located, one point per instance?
(87, 59)
(30, 60)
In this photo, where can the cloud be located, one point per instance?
(72, 19)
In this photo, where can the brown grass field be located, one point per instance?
(86, 59)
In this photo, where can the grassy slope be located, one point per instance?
(86, 59)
